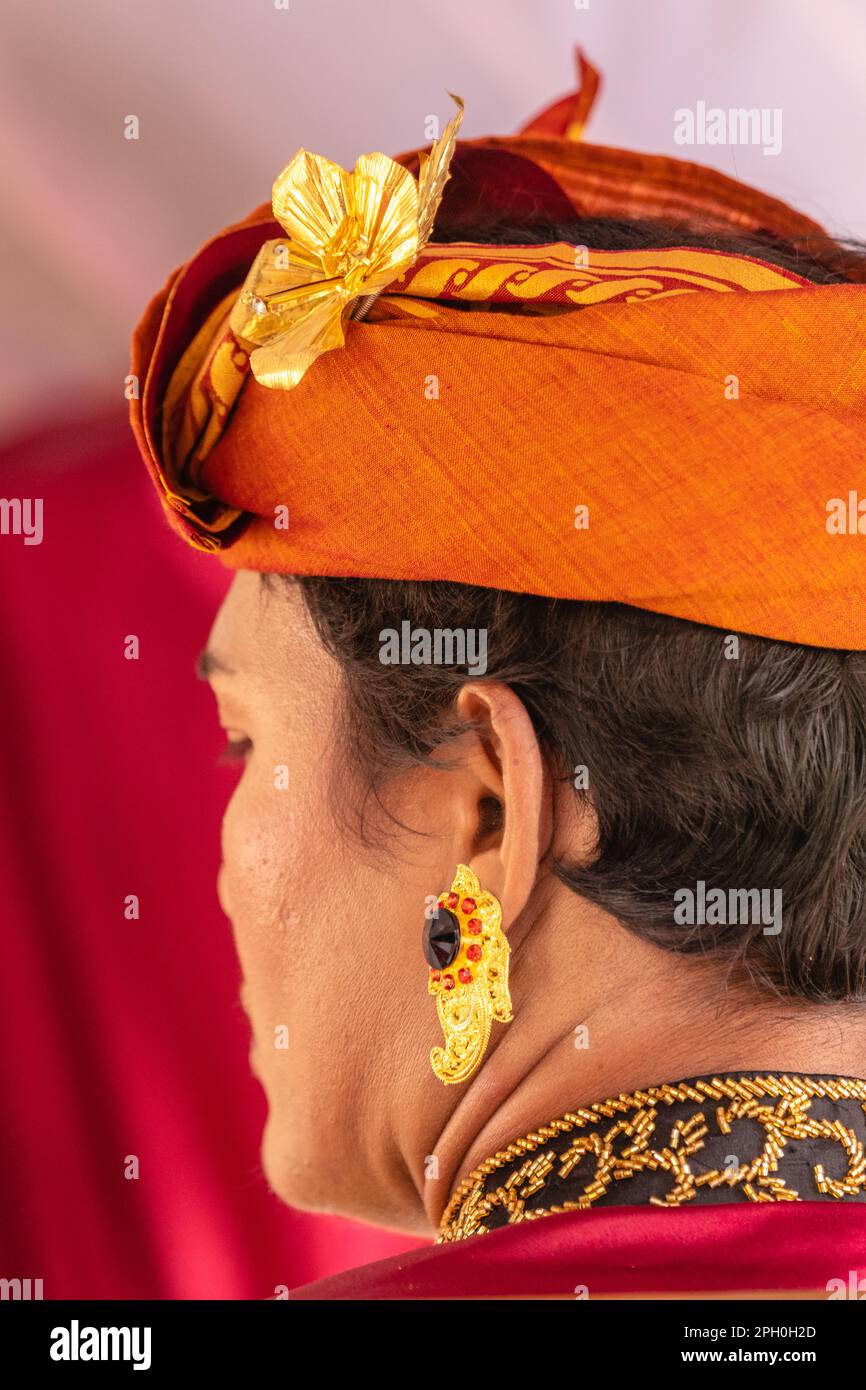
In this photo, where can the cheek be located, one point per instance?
(268, 835)
(290, 884)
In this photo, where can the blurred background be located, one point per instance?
(123, 1037)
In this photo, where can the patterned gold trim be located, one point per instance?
(578, 277)
(624, 1149)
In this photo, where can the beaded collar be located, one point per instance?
(739, 1138)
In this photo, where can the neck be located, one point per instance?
(614, 1015)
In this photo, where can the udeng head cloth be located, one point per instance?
(325, 389)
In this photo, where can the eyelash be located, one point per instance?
(236, 750)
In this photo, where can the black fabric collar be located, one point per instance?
(742, 1137)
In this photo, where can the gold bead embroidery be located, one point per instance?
(624, 1148)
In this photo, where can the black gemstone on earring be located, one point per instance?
(441, 939)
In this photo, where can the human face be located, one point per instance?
(327, 929)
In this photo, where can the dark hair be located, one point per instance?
(743, 774)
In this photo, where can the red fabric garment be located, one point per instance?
(612, 1251)
(123, 1037)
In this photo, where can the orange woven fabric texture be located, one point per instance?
(703, 507)
(695, 452)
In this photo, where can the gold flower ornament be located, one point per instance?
(347, 236)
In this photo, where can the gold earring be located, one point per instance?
(467, 952)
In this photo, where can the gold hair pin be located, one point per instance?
(348, 236)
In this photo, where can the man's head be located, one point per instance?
(608, 762)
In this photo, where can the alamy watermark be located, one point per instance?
(854, 1287)
(25, 1289)
(77, 1343)
(701, 906)
(712, 125)
(846, 516)
(22, 516)
(438, 646)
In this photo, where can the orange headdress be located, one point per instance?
(681, 429)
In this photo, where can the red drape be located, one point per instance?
(122, 1037)
(768, 1247)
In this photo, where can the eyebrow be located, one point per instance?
(209, 664)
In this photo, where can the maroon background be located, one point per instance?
(123, 1037)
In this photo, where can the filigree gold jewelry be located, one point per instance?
(348, 235)
(603, 1152)
(467, 952)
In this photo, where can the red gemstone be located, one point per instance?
(448, 982)
(465, 975)
(473, 952)
(474, 925)
(436, 976)
(452, 900)
(468, 905)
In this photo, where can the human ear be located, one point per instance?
(507, 765)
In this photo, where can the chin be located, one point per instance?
(293, 1169)
(301, 1171)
